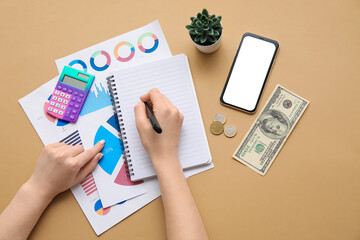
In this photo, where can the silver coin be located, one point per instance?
(230, 131)
(220, 117)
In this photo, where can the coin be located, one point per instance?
(230, 131)
(216, 127)
(220, 117)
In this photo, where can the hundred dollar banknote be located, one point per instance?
(270, 130)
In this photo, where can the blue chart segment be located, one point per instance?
(94, 103)
(78, 61)
(112, 150)
(113, 121)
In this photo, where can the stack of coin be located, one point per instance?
(217, 126)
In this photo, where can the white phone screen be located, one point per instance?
(249, 73)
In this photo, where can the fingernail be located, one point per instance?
(101, 155)
(102, 142)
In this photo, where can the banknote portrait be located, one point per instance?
(274, 124)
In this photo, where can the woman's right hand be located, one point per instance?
(164, 146)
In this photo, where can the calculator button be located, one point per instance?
(62, 94)
(71, 104)
(57, 105)
(54, 98)
(81, 95)
(64, 89)
(55, 110)
(74, 111)
(59, 87)
(63, 107)
(57, 92)
(52, 103)
(78, 100)
(50, 109)
(65, 101)
(76, 105)
(69, 91)
(60, 100)
(68, 96)
(61, 113)
(76, 93)
(73, 99)
(72, 117)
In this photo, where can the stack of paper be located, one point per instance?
(107, 196)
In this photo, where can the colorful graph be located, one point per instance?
(88, 185)
(58, 122)
(112, 151)
(99, 209)
(128, 58)
(107, 64)
(80, 62)
(153, 48)
(95, 101)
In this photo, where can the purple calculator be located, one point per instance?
(70, 94)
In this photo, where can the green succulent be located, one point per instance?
(205, 29)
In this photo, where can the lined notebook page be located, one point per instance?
(172, 77)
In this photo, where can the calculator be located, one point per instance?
(70, 94)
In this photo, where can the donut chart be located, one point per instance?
(153, 48)
(116, 51)
(92, 60)
(99, 209)
(80, 62)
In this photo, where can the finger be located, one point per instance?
(154, 96)
(56, 145)
(88, 167)
(141, 118)
(64, 148)
(75, 150)
(86, 156)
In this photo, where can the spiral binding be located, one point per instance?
(122, 133)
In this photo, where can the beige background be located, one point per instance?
(312, 190)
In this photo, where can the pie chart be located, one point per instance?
(98, 207)
(112, 151)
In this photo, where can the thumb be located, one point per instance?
(141, 118)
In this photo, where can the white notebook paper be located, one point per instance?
(173, 78)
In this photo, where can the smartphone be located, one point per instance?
(249, 71)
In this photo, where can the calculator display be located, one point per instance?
(74, 82)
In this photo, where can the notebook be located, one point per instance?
(173, 78)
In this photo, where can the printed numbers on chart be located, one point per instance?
(116, 53)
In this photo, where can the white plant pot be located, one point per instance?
(208, 48)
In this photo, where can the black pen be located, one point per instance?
(154, 123)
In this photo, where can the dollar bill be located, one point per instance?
(270, 130)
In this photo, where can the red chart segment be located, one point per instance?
(123, 179)
(88, 185)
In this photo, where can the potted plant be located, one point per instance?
(205, 30)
